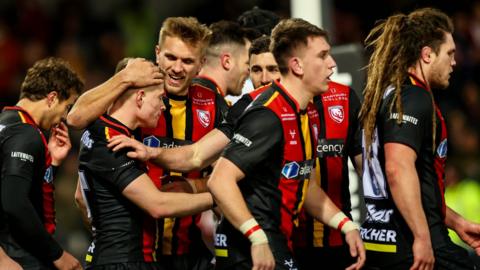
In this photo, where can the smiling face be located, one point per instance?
(180, 61)
(263, 69)
(442, 64)
(318, 65)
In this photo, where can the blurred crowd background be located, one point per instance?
(93, 35)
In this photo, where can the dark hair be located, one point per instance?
(188, 29)
(224, 32)
(397, 43)
(50, 74)
(260, 20)
(260, 45)
(290, 34)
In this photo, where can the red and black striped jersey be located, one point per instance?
(339, 138)
(186, 120)
(274, 146)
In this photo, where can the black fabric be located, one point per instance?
(234, 113)
(338, 258)
(128, 266)
(384, 223)
(23, 166)
(258, 134)
(117, 222)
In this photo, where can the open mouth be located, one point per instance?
(175, 80)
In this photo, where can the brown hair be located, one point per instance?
(288, 35)
(50, 74)
(188, 29)
(397, 43)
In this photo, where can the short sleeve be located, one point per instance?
(256, 135)
(417, 119)
(22, 149)
(234, 113)
(115, 167)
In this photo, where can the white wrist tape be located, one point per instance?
(253, 232)
(341, 222)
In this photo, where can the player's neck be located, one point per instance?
(124, 112)
(38, 110)
(296, 89)
(217, 75)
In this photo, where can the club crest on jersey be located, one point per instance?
(336, 113)
(203, 117)
(442, 149)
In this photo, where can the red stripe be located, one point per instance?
(126, 131)
(344, 220)
(149, 236)
(337, 95)
(252, 230)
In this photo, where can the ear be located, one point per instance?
(202, 62)
(226, 61)
(296, 65)
(426, 54)
(51, 97)
(157, 53)
(139, 98)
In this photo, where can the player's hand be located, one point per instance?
(8, 263)
(357, 249)
(262, 257)
(469, 232)
(59, 143)
(67, 262)
(140, 73)
(137, 149)
(423, 258)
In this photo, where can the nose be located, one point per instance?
(177, 66)
(333, 64)
(265, 78)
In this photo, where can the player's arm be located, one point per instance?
(404, 185)
(158, 204)
(182, 159)
(80, 203)
(319, 206)
(8, 263)
(18, 172)
(257, 135)
(94, 102)
(468, 231)
(402, 142)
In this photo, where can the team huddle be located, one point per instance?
(172, 176)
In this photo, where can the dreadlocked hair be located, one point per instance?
(396, 45)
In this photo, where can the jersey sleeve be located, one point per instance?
(22, 150)
(257, 133)
(221, 121)
(115, 167)
(417, 119)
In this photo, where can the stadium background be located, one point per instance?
(93, 35)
